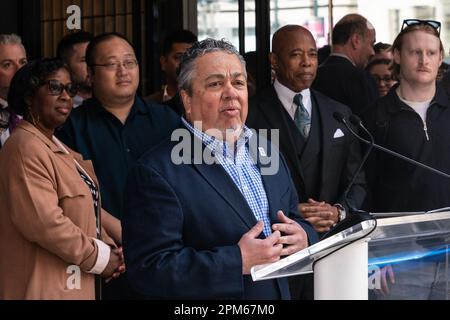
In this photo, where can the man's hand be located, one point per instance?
(256, 251)
(294, 237)
(321, 215)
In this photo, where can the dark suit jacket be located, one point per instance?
(183, 223)
(175, 103)
(340, 80)
(339, 157)
(156, 96)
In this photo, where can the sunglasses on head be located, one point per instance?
(55, 88)
(413, 22)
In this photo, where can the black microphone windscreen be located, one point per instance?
(355, 120)
(338, 116)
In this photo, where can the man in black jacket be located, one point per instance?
(412, 119)
(342, 76)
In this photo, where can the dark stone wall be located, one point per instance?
(23, 18)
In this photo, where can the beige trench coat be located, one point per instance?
(47, 220)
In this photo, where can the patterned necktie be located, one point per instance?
(302, 118)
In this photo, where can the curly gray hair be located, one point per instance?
(12, 38)
(186, 69)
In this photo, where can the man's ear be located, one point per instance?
(355, 40)
(396, 55)
(441, 58)
(273, 60)
(89, 76)
(27, 101)
(187, 102)
(163, 63)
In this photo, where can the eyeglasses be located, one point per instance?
(385, 79)
(413, 22)
(55, 88)
(113, 66)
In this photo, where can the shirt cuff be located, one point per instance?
(103, 254)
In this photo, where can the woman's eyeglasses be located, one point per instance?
(385, 79)
(55, 88)
(413, 22)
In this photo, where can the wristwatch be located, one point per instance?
(342, 214)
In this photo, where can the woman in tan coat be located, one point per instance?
(51, 241)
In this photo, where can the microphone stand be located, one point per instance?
(363, 161)
(355, 216)
(356, 121)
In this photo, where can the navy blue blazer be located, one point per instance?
(182, 224)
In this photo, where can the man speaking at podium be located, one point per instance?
(194, 228)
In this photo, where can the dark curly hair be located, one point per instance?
(27, 81)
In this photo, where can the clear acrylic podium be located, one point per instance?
(391, 256)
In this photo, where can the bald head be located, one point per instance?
(348, 26)
(286, 34)
(294, 57)
(354, 36)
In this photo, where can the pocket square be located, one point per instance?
(338, 134)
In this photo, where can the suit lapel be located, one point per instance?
(67, 159)
(260, 152)
(221, 182)
(328, 128)
(273, 111)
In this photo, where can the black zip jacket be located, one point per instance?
(395, 184)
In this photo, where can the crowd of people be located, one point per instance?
(107, 195)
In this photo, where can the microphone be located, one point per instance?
(356, 216)
(357, 122)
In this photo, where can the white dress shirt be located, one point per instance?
(286, 97)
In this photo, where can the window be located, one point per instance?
(312, 14)
(220, 19)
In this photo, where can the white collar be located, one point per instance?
(166, 96)
(3, 103)
(286, 97)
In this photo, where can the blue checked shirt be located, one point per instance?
(239, 165)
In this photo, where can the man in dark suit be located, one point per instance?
(321, 154)
(323, 161)
(200, 213)
(342, 76)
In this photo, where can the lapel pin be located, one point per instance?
(262, 152)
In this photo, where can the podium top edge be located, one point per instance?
(413, 218)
